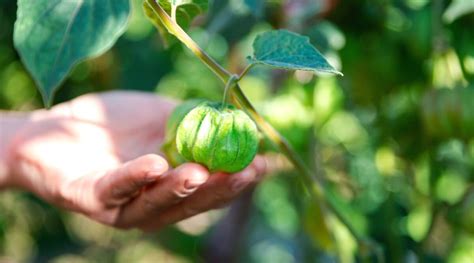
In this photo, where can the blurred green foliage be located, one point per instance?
(401, 184)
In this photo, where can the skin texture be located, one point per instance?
(95, 155)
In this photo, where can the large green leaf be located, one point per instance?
(288, 50)
(54, 35)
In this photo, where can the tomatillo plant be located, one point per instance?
(287, 50)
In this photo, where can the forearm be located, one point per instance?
(10, 124)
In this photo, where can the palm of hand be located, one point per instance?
(94, 155)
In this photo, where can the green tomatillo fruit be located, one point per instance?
(169, 145)
(218, 136)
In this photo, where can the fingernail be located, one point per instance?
(196, 175)
(194, 182)
(191, 184)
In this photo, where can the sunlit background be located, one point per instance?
(393, 137)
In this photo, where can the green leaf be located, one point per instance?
(52, 36)
(166, 37)
(186, 11)
(288, 50)
(458, 8)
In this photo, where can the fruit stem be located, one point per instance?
(228, 87)
(315, 184)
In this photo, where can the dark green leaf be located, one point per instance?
(288, 50)
(53, 35)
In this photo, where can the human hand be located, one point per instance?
(94, 155)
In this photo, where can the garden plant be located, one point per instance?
(364, 111)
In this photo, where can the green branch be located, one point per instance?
(316, 184)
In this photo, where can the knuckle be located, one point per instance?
(115, 192)
(135, 184)
(146, 163)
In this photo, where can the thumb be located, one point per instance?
(120, 185)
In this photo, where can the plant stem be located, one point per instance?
(173, 13)
(244, 72)
(314, 183)
(231, 83)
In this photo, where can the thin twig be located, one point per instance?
(228, 87)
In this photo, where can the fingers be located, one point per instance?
(260, 166)
(172, 188)
(217, 191)
(122, 184)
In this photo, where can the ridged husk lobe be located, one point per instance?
(222, 138)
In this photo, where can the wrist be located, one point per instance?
(10, 125)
